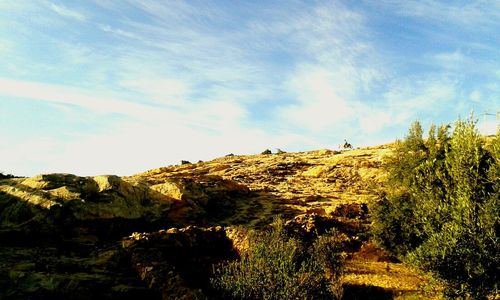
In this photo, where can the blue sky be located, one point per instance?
(119, 87)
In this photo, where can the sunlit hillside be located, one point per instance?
(66, 227)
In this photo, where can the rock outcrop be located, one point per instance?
(199, 198)
(67, 206)
(61, 235)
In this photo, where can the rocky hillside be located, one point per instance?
(157, 234)
(287, 183)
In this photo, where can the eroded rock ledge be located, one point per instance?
(62, 235)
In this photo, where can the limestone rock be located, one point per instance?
(199, 198)
(50, 204)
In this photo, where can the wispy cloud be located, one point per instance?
(211, 116)
(340, 68)
(158, 134)
(193, 80)
(426, 95)
(68, 13)
(119, 32)
(166, 91)
(321, 99)
(474, 14)
(65, 95)
(452, 60)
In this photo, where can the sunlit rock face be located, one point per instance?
(68, 206)
(48, 205)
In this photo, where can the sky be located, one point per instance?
(120, 87)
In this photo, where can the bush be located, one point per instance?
(280, 267)
(6, 176)
(327, 251)
(441, 209)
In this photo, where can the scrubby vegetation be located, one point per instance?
(277, 266)
(6, 176)
(441, 208)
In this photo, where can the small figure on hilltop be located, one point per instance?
(347, 145)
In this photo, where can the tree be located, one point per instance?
(441, 209)
(276, 266)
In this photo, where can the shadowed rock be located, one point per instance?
(59, 236)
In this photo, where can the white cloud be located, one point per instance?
(320, 102)
(473, 14)
(150, 137)
(451, 57)
(372, 121)
(452, 60)
(428, 95)
(68, 13)
(131, 147)
(119, 32)
(12, 6)
(488, 127)
(168, 91)
(6, 47)
(23, 157)
(134, 147)
(194, 81)
(475, 96)
(211, 114)
(341, 67)
(169, 11)
(70, 96)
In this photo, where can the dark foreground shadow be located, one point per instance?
(361, 291)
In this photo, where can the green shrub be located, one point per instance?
(277, 266)
(6, 176)
(327, 251)
(441, 209)
(395, 224)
